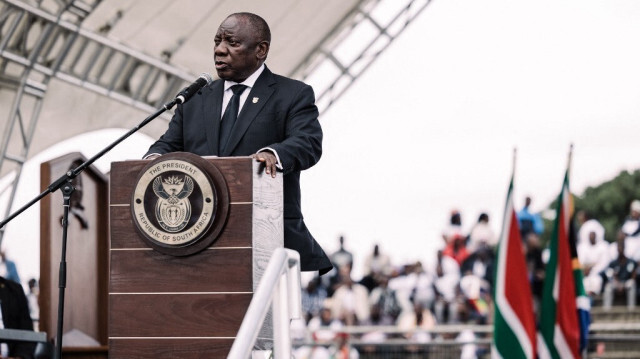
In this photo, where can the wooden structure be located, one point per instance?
(85, 315)
(164, 306)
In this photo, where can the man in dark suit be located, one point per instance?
(15, 315)
(251, 111)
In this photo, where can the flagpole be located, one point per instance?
(568, 175)
(569, 159)
(511, 185)
(513, 165)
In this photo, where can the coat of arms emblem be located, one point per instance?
(175, 203)
(173, 209)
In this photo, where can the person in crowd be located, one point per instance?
(313, 296)
(324, 329)
(620, 278)
(456, 248)
(14, 309)
(251, 111)
(454, 228)
(336, 277)
(475, 297)
(480, 264)
(631, 225)
(629, 246)
(8, 268)
(587, 225)
(447, 278)
(377, 262)
(370, 281)
(403, 282)
(424, 292)
(481, 234)
(535, 266)
(529, 222)
(350, 300)
(325, 326)
(631, 230)
(342, 257)
(384, 300)
(477, 281)
(34, 306)
(594, 258)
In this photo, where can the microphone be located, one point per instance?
(191, 90)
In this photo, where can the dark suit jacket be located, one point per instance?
(279, 113)
(15, 315)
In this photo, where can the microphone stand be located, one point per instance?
(64, 183)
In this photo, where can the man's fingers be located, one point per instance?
(269, 161)
(270, 167)
(272, 170)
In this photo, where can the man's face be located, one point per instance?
(237, 52)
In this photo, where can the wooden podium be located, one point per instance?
(190, 305)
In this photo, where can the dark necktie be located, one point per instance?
(230, 116)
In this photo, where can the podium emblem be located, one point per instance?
(173, 209)
(175, 203)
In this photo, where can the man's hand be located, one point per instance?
(269, 161)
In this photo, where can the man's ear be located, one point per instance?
(263, 50)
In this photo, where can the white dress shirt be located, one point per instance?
(249, 82)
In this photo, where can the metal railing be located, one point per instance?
(280, 287)
(41, 348)
(37, 46)
(606, 339)
(352, 47)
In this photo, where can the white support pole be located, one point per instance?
(295, 290)
(243, 344)
(281, 334)
(280, 288)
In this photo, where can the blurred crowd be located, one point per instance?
(611, 269)
(411, 299)
(455, 287)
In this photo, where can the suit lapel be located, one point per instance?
(259, 95)
(212, 112)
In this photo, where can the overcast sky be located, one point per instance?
(431, 126)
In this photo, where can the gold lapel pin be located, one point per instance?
(255, 100)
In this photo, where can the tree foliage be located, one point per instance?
(608, 202)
